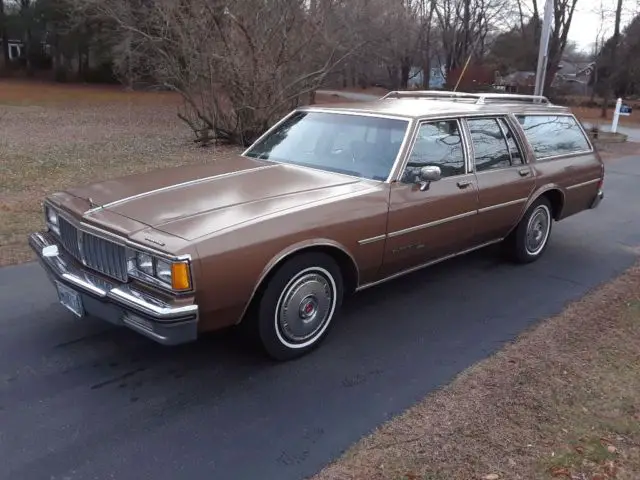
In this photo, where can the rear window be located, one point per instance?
(553, 135)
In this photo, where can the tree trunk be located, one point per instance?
(4, 36)
(426, 73)
(594, 82)
(393, 77)
(405, 71)
(612, 62)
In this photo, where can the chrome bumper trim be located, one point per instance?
(597, 200)
(164, 320)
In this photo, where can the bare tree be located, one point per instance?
(465, 25)
(601, 35)
(238, 66)
(613, 52)
(530, 23)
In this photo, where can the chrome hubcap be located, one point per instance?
(305, 307)
(538, 230)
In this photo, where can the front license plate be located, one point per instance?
(70, 299)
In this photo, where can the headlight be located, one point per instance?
(157, 271)
(164, 271)
(51, 217)
(145, 263)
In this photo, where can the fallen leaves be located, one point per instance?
(611, 470)
(560, 472)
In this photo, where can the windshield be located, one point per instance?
(357, 145)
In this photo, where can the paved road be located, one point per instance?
(80, 400)
(632, 133)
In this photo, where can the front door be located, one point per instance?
(432, 223)
(505, 180)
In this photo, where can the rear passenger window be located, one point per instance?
(489, 144)
(552, 135)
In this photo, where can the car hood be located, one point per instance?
(193, 201)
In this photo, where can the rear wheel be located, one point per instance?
(529, 240)
(298, 305)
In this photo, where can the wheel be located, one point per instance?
(298, 305)
(530, 238)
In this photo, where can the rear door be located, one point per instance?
(505, 180)
(424, 225)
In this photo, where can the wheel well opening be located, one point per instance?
(556, 199)
(347, 268)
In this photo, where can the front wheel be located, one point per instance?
(530, 238)
(298, 305)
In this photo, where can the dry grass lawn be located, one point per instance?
(561, 402)
(56, 136)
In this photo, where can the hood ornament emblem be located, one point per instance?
(153, 240)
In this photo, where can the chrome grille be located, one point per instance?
(96, 253)
(69, 237)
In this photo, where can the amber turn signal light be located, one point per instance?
(180, 278)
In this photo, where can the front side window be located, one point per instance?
(439, 144)
(552, 135)
(357, 145)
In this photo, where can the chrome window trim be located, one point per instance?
(525, 147)
(562, 155)
(504, 124)
(359, 113)
(310, 108)
(496, 117)
(416, 129)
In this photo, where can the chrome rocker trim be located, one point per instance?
(115, 303)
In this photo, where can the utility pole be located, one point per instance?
(543, 52)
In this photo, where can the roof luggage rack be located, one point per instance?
(480, 98)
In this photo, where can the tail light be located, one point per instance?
(601, 182)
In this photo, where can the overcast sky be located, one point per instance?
(586, 20)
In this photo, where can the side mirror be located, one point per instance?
(427, 175)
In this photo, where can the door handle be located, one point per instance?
(464, 183)
(524, 172)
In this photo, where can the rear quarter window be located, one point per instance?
(554, 135)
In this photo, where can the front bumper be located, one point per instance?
(119, 304)
(596, 201)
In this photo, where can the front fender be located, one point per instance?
(292, 250)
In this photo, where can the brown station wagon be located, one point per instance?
(329, 201)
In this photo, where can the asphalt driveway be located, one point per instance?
(82, 400)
